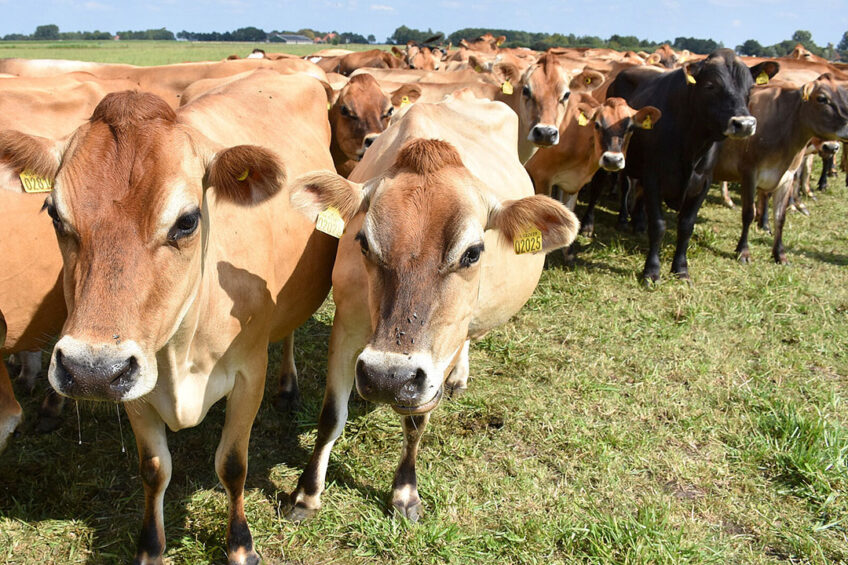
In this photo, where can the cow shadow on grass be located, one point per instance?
(95, 489)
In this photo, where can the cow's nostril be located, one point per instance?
(420, 376)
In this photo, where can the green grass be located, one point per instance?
(136, 52)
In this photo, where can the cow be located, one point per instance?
(346, 64)
(182, 259)
(702, 103)
(539, 95)
(420, 56)
(427, 262)
(358, 116)
(765, 162)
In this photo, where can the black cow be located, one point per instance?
(702, 103)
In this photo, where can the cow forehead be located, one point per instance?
(363, 93)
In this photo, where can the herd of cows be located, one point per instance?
(204, 210)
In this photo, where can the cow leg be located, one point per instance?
(685, 226)
(10, 410)
(656, 230)
(288, 393)
(231, 457)
(306, 498)
(827, 170)
(725, 195)
(781, 198)
(743, 253)
(154, 463)
(762, 211)
(457, 381)
(30, 367)
(624, 188)
(570, 252)
(596, 187)
(405, 498)
(50, 412)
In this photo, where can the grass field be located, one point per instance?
(605, 423)
(151, 52)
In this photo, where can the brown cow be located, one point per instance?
(787, 117)
(420, 56)
(183, 258)
(346, 64)
(426, 263)
(361, 112)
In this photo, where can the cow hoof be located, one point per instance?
(781, 259)
(300, 513)
(803, 209)
(145, 560)
(287, 401)
(728, 203)
(7, 429)
(745, 257)
(244, 558)
(650, 282)
(411, 512)
(587, 230)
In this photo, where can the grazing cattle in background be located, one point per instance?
(183, 259)
(426, 263)
(346, 64)
(667, 57)
(539, 96)
(787, 118)
(702, 103)
(420, 56)
(592, 136)
(360, 113)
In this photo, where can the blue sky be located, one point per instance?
(729, 21)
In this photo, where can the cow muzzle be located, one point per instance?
(739, 127)
(411, 384)
(612, 161)
(829, 148)
(544, 135)
(112, 372)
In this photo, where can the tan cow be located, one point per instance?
(183, 258)
(420, 56)
(346, 64)
(426, 263)
(360, 113)
(10, 410)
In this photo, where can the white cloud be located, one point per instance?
(736, 23)
(96, 6)
(381, 8)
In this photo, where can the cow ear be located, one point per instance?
(647, 117)
(585, 113)
(314, 193)
(653, 59)
(500, 40)
(246, 174)
(690, 71)
(764, 71)
(331, 94)
(406, 94)
(586, 81)
(475, 63)
(397, 52)
(519, 220)
(36, 157)
(506, 72)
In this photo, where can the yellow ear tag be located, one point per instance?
(35, 183)
(690, 79)
(498, 43)
(478, 68)
(506, 87)
(329, 106)
(762, 78)
(330, 222)
(647, 123)
(588, 80)
(529, 241)
(582, 120)
(243, 176)
(405, 101)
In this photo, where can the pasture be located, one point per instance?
(605, 423)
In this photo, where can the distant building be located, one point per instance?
(291, 38)
(325, 39)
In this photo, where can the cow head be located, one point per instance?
(420, 230)
(129, 207)
(542, 92)
(423, 57)
(614, 122)
(824, 108)
(719, 87)
(362, 111)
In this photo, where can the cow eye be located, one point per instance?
(566, 96)
(526, 90)
(471, 255)
(347, 113)
(821, 99)
(54, 215)
(184, 226)
(363, 243)
(597, 125)
(389, 112)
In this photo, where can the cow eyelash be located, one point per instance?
(54, 215)
(526, 90)
(347, 113)
(184, 226)
(389, 112)
(471, 255)
(363, 243)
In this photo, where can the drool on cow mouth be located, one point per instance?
(421, 408)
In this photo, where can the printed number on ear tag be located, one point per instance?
(35, 183)
(330, 222)
(506, 87)
(762, 78)
(528, 241)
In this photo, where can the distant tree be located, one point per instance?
(348, 37)
(46, 32)
(15, 37)
(803, 36)
(843, 43)
(751, 48)
(403, 35)
(160, 34)
(371, 38)
(307, 32)
(695, 45)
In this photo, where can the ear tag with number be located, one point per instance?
(35, 183)
(528, 241)
(330, 222)
(690, 79)
(647, 123)
(243, 176)
(405, 101)
(762, 78)
(506, 87)
(582, 120)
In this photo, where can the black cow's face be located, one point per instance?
(721, 85)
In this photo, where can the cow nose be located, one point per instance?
(612, 161)
(391, 383)
(741, 126)
(369, 140)
(829, 148)
(95, 377)
(544, 135)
